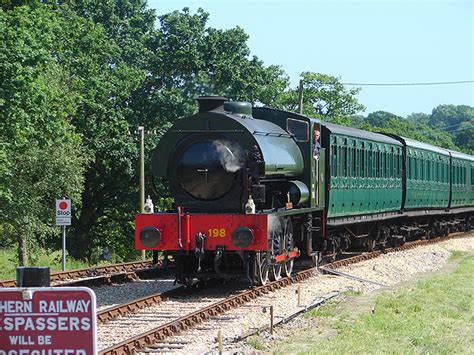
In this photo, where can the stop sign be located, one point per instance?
(63, 212)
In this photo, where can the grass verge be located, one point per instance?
(432, 316)
(53, 259)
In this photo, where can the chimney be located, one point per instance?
(211, 103)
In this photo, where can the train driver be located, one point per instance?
(317, 145)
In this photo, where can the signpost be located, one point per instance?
(48, 321)
(63, 219)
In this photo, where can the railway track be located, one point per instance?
(100, 274)
(182, 322)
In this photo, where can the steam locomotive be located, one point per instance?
(251, 197)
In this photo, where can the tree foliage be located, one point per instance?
(458, 121)
(41, 153)
(448, 126)
(323, 96)
(190, 59)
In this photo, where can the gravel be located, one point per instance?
(111, 295)
(148, 318)
(388, 269)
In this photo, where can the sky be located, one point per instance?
(360, 42)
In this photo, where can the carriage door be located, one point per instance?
(317, 155)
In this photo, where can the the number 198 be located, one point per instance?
(217, 233)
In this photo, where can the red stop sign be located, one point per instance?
(63, 205)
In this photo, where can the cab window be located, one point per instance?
(299, 129)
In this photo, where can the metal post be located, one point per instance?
(271, 319)
(219, 341)
(141, 130)
(300, 98)
(64, 247)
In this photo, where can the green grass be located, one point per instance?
(53, 259)
(256, 343)
(456, 255)
(329, 308)
(326, 310)
(433, 316)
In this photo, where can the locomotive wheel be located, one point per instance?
(262, 268)
(275, 245)
(289, 244)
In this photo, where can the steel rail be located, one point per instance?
(133, 306)
(111, 313)
(63, 276)
(181, 324)
(360, 279)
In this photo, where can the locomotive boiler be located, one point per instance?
(250, 197)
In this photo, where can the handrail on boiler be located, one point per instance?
(180, 209)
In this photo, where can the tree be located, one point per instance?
(464, 137)
(419, 132)
(102, 49)
(448, 116)
(323, 96)
(42, 157)
(190, 59)
(380, 118)
(458, 121)
(419, 117)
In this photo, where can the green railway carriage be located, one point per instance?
(462, 180)
(363, 170)
(427, 176)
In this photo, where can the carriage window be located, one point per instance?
(377, 164)
(383, 163)
(344, 161)
(423, 171)
(416, 169)
(349, 162)
(409, 168)
(398, 163)
(355, 162)
(369, 163)
(338, 168)
(299, 129)
(390, 164)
